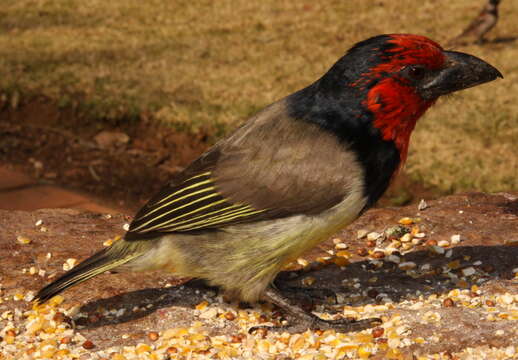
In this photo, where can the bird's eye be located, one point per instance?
(415, 72)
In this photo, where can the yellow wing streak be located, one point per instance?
(184, 189)
(218, 220)
(210, 188)
(179, 208)
(203, 216)
(165, 223)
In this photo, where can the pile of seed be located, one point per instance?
(51, 331)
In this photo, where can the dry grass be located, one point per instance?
(213, 63)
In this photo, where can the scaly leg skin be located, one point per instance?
(300, 320)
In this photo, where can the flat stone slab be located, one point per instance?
(457, 299)
(12, 180)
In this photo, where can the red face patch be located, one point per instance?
(394, 101)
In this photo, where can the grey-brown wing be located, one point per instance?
(271, 167)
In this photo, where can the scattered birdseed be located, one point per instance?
(370, 243)
(437, 250)
(45, 331)
(23, 240)
(422, 205)
(406, 221)
(302, 262)
(448, 302)
(408, 265)
(406, 238)
(443, 243)
(431, 242)
(69, 264)
(88, 345)
(372, 236)
(468, 271)
(393, 258)
(378, 254)
(455, 239)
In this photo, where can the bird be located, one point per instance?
(290, 176)
(480, 26)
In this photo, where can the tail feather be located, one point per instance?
(98, 263)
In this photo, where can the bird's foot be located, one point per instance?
(300, 320)
(312, 322)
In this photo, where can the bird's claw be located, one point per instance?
(341, 325)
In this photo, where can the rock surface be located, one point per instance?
(456, 299)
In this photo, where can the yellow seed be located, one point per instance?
(364, 352)
(454, 264)
(302, 262)
(50, 330)
(306, 357)
(406, 221)
(142, 348)
(118, 357)
(198, 337)
(393, 354)
(175, 332)
(341, 261)
(454, 293)
(324, 259)
(56, 300)
(406, 238)
(23, 240)
(62, 352)
(48, 354)
(202, 305)
(343, 253)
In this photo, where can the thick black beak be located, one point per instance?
(462, 71)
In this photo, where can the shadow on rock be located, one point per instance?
(360, 283)
(134, 305)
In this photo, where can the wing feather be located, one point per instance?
(270, 168)
(194, 204)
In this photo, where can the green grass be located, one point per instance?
(210, 64)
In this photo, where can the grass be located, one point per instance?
(208, 64)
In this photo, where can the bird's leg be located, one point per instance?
(306, 292)
(300, 320)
